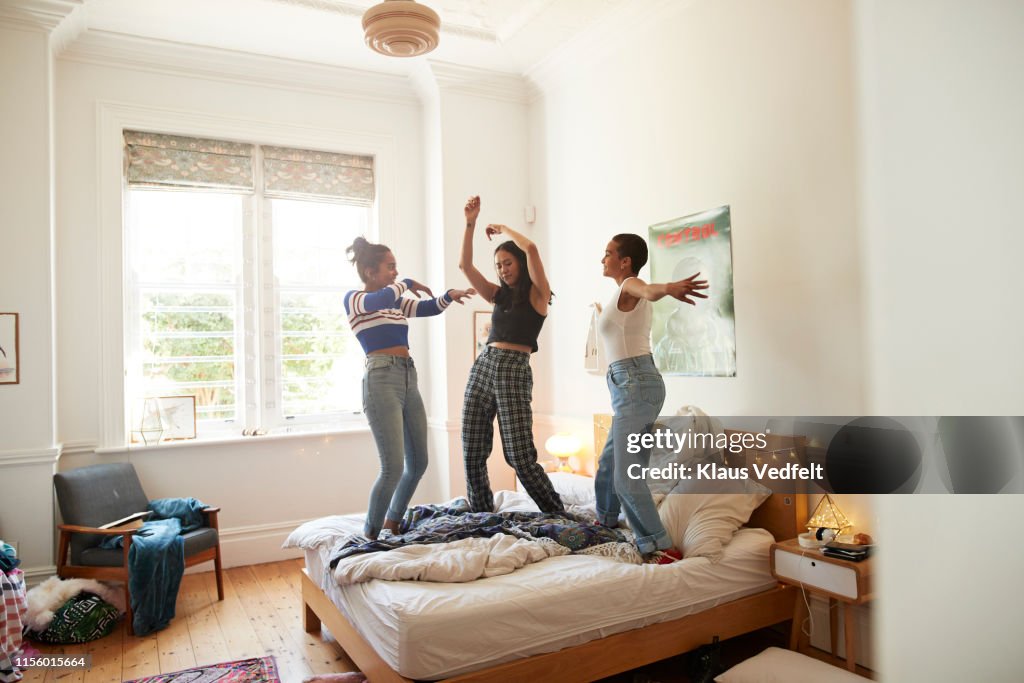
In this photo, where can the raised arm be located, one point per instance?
(412, 308)
(681, 289)
(534, 265)
(485, 287)
(386, 297)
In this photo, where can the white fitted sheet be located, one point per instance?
(430, 630)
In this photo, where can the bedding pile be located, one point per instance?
(450, 543)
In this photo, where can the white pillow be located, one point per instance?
(776, 665)
(574, 489)
(701, 524)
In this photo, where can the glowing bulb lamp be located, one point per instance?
(401, 28)
(828, 515)
(563, 446)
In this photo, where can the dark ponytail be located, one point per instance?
(366, 255)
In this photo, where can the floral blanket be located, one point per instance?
(429, 524)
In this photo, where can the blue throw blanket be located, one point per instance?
(156, 561)
(441, 524)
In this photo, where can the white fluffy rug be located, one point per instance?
(47, 597)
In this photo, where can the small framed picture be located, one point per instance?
(179, 416)
(9, 350)
(481, 331)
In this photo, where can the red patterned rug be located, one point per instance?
(256, 670)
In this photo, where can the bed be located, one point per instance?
(567, 618)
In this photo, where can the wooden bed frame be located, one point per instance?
(783, 515)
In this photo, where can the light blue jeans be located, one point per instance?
(394, 409)
(638, 393)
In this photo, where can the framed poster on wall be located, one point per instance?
(9, 373)
(700, 340)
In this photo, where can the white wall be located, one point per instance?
(943, 164)
(705, 104)
(27, 427)
(943, 167)
(26, 221)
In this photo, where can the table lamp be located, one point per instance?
(563, 446)
(827, 515)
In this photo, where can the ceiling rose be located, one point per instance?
(401, 28)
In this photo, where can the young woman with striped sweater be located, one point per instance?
(391, 399)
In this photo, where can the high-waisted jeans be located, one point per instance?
(638, 393)
(394, 409)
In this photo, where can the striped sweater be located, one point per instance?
(378, 318)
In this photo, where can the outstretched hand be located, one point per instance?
(684, 289)
(494, 229)
(459, 296)
(416, 288)
(472, 209)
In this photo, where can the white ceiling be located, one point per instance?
(503, 35)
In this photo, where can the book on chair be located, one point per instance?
(135, 519)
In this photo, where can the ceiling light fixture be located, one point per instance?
(401, 28)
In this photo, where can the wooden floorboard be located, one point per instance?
(271, 631)
(204, 632)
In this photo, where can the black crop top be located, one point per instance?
(519, 325)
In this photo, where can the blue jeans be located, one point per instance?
(638, 393)
(394, 409)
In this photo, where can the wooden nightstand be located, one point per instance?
(838, 580)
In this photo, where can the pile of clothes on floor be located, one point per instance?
(13, 608)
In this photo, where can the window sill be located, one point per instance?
(327, 434)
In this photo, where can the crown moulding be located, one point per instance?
(401, 28)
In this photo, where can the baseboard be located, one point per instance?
(256, 544)
(36, 575)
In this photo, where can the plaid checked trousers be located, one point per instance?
(501, 382)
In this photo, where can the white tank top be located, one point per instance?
(625, 333)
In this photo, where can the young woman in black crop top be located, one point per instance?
(501, 381)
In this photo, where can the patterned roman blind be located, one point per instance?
(173, 161)
(326, 175)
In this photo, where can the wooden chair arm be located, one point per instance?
(75, 529)
(211, 517)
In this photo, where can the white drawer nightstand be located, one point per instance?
(838, 580)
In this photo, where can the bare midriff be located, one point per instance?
(391, 351)
(511, 347)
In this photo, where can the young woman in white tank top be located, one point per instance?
(637, 389)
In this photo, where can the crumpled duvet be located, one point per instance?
(436, 524)
(456, 562)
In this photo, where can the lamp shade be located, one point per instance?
(563, 444)
(401, 28)
(828, 515)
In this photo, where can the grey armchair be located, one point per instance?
(90, 497)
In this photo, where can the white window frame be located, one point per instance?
(243, 321)
(270, 334)
(112, 120)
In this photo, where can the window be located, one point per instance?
(235, 281)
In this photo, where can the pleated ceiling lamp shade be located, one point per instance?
(401, 28)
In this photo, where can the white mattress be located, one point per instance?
(434, 630)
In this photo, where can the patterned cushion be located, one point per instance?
(83, 618)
